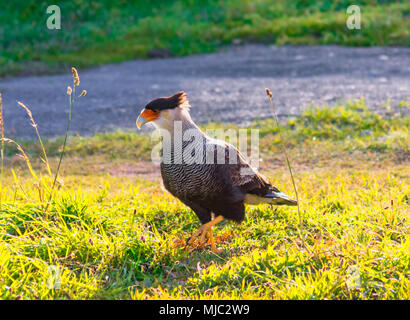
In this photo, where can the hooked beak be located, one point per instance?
(140, 121)
(145, 116)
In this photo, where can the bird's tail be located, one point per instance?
(279, 198)
(272, 197)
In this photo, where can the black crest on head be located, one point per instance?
(167, 102)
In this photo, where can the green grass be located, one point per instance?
(95, 33)
(116, 234)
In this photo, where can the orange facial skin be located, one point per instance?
(147, 115)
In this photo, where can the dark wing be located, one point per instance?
(222, 187)
(248, 179)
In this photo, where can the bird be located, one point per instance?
(209, 176)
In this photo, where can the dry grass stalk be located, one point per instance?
(71, 95)
(23, 154)
(269, 94)
(34, 124)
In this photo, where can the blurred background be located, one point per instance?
(343, 99)
(97, 32)
(244, 46)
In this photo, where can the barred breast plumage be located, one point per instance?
(213, 187)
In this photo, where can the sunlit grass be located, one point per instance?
(115, 235)
(352, 217)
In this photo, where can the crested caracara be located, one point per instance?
(213, 189)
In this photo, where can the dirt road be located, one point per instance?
(225, 86)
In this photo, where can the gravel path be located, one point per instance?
(224, 86)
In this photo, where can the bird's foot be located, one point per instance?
(204, 233)
(202, 230)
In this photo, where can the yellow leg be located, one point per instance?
(203, 230)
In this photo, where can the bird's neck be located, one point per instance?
(177, 121)
(178, 131)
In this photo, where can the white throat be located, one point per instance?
(168, 120)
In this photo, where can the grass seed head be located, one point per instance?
(83, 93)
(268, 92)
(69, 90)
(76, 78)
(33, 123)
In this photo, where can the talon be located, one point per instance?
(203, 236)
(216, 250)
(203, 230)
(195, 235)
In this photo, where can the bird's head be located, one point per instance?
(163, 110)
